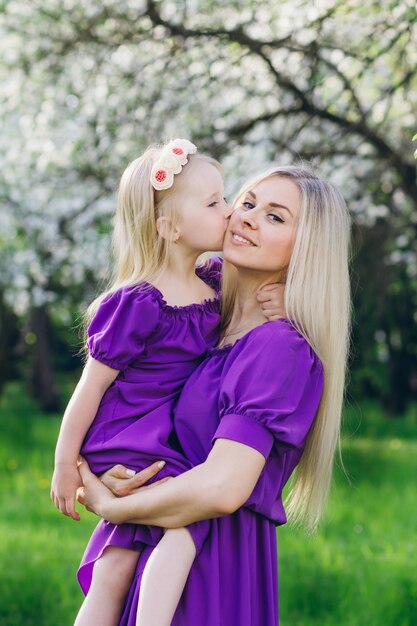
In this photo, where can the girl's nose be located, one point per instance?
(227, 211)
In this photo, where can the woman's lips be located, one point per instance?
(240, 240)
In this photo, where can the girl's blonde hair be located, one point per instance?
(140, 252)
(317, 301)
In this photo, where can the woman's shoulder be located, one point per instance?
(281, 329)
(277, 339)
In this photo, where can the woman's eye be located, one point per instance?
(277, 218)
(248, 205)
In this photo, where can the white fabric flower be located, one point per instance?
(161, 178)
(171, 161)
(180, 148)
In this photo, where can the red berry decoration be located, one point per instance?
(177, 151)
(160, 176)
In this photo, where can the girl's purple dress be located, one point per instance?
(156, 347)
(263, 392)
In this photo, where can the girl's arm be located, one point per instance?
(217, 487)
(78, 417)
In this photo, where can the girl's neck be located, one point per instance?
(181, 266)
(179, 284)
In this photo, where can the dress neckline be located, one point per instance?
(186, 308)
(207, 303)
(229, 346)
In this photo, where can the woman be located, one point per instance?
(268, 399)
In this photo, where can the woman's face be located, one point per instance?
(262, 228)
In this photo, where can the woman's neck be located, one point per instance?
(247, 311)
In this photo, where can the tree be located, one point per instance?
(250, 82)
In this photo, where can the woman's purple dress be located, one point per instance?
(263, 392)
(156, 347)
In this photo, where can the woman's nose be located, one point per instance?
(249, 219)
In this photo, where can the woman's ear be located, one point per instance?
(165, 230)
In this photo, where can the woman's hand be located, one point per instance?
(271, 299)
(93, 494)
(121, 483)
(97, 494)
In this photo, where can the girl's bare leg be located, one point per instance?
(164, 578)
(112, 576)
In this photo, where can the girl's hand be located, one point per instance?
(93, 494)
(65, 482)
(121, 483)
(271, 299)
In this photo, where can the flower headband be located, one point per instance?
(171, 161)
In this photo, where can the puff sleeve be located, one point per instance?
(271, 392)
(122, 326)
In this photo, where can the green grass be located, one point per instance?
(359, 570)
(361, 567)
(39, 549)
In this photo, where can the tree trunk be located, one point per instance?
(41, 378)
(9, 336)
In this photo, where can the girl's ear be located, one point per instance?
(165, 230)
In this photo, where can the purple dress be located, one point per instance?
(263, 392)
(156, 347)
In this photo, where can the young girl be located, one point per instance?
(146, 335)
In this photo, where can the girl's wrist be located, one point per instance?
(66, 457)
(65, 462)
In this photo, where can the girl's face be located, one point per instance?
(203, 212)
(262, 228)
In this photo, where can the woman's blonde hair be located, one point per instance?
(317, 301)
(140, 253)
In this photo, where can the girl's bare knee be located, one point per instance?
(180, 539)
(114, 570)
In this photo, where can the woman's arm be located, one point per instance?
(217, 487)
(78, 417)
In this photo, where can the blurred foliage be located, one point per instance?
(88, 84)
